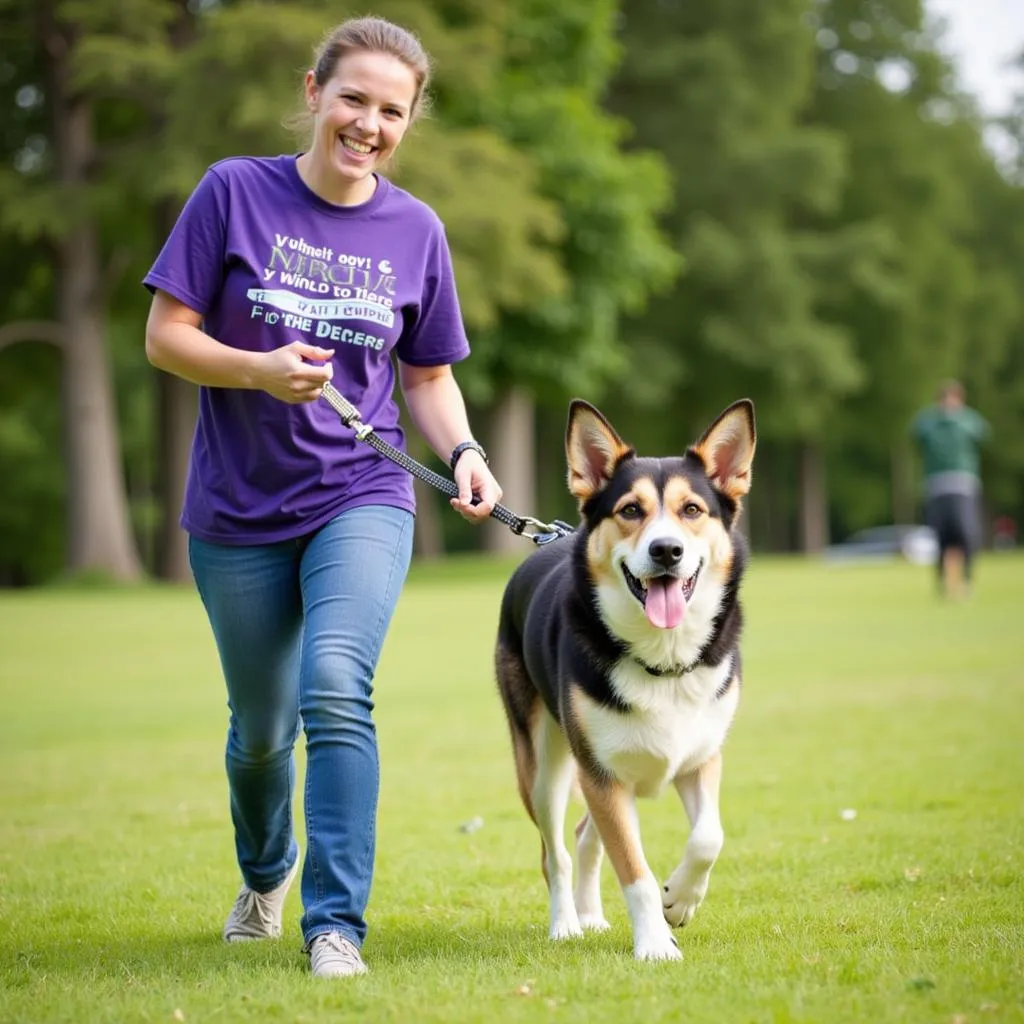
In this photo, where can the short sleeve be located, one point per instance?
(436, 334)
(191, 264)
(981, 428)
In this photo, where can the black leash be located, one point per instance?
(522, 526)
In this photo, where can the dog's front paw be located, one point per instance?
(563, 929)
(659, 946)
(680, 902)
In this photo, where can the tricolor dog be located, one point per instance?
(618, 664)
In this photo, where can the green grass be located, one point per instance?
(862, 691)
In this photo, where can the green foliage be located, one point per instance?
(31, 533)
(837, 211)
(659, 207)
(556, 68)
(719, 90)
(917, 169)
(503, 234)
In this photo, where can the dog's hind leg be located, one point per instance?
(684, 892)
(522, 704)
(550, 797)
(587, 894)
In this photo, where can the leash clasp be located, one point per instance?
(543, 533)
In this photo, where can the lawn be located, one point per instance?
(873, 868)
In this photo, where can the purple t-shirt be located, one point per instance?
(267, 262)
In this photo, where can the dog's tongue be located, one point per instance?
(665, 605)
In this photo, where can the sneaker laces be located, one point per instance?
(250, 904)
(341, 949)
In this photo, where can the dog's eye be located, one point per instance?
(692, 510)
(631, 511)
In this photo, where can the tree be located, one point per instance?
(720, 91)
(556, 331)
(919, 170)
(54, 204)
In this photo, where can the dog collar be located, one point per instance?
(675, 670)
(686, 670)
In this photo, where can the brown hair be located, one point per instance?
(369, 35)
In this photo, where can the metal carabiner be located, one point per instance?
(543, 533)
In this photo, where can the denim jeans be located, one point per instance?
(299, 626)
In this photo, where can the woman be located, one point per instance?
(281, 274)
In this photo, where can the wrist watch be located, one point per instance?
(465, 446)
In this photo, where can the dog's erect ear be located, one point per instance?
(592, 450)
(727, 449)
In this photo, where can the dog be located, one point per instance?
(618, 664)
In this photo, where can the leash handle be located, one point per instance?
(523, 526)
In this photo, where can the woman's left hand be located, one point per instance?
(474, 478)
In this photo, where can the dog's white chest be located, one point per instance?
(674, 727)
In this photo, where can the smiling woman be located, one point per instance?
(366, 88)
(299, 539)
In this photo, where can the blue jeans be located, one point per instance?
(299, 626)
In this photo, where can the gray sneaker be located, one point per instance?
(257, 915)
(333, 956)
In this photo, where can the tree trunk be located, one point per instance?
(813, 499)
(510, 447)
(99, 531)
(177, 400)
(904, 504)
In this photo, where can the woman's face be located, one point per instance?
(362, 112)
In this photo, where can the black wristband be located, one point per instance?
(465, 446)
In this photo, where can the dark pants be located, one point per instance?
(954, 518)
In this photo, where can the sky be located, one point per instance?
(981, 36)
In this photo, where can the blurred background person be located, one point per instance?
(948, 435)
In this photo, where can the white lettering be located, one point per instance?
(302, 246)
(324, 329)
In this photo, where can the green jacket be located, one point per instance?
(948, 439)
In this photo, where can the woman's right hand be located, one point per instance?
(295, 373)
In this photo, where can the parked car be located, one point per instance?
(916, 544)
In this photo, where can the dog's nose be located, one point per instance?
(666, 551)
